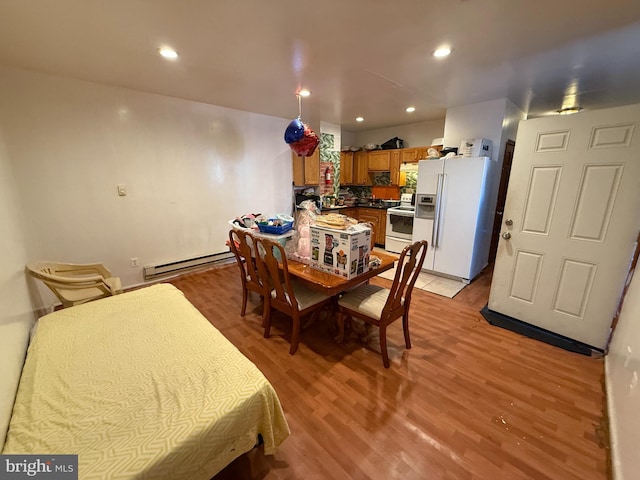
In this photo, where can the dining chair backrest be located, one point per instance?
(241, 244)
(273, 268)
(281, 292)
(407, 271)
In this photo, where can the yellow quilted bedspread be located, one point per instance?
(141, 385)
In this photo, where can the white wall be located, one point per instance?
(624, 401)
(188, 167)
(496, 120)
(414, 135)
(332, 129)
(16, 317)
(480, 120)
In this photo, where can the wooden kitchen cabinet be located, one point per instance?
(409, 155)
(346, 168)
(422, 152)
(377, 217)
(312, 169)
(394, 167)
(306, 170)
(382, 231)
(379, 160)
(360, 167)
(350, 212)
(297, 164)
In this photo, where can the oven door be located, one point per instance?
(399, 224)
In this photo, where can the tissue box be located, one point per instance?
(475, 147)
(340, 252)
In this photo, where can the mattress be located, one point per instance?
(141, 385)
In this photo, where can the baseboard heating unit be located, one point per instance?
(183, 266)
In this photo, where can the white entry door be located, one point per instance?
(573, 214)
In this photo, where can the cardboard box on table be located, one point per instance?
(340, 252)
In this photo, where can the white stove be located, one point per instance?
(400, 224)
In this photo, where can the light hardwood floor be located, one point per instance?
(468, 401)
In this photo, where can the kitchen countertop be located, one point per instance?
(377, 206)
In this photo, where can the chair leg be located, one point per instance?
(245, 294)
(340, 319)
(295, 333)
(405, 328)
(266, 318)
(383, 346)
(264, 304)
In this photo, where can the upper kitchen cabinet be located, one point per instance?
(379, 160)
(306, 170)
(422, 152)
(346, 168)
(297, 164)
(409, 155)
(394, 166)
(361, 174)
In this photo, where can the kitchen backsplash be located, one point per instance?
(329, 158)
(411, 183)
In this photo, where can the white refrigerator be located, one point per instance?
(453, 213)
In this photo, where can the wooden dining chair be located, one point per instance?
(241, 244)
(381, 306)
(282, 292)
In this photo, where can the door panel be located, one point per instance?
(574, 286)
(574, 205)
(526, 273)
(541, 199)
(596, 197)
(552, 141)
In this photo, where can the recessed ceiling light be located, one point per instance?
(359, 119)
(167, 52)
(410, 109)
(569, 110)
(442, 52)
(304, 92)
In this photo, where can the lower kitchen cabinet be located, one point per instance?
(378, 219)
(350, 212)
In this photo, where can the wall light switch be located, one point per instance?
(122, 190)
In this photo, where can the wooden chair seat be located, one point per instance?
(366, 299)
(381, 306)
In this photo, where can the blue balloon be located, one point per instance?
(294, 132)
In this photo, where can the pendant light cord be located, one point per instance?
(299, 106)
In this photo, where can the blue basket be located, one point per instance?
(275, 229)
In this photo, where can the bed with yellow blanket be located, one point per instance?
(141, 385)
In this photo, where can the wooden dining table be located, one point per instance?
(333, 284)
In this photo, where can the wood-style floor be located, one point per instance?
(468, 401)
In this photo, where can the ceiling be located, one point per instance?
(358, 57)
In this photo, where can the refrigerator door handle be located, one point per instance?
(435, 232)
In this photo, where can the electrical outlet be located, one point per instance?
(134, 262)
(122, 190)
